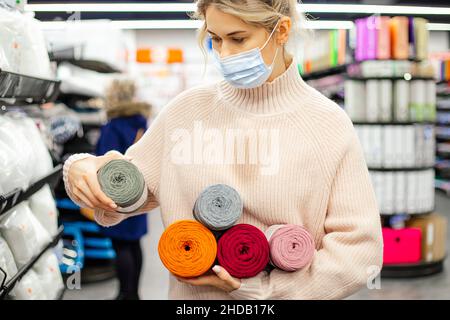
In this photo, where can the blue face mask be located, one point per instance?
(246, 69)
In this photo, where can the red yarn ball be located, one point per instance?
(243, 250)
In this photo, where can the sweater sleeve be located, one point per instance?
(146, 155)
(351, 248)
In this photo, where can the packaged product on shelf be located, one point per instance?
(434, 235)
(377, 182)
(385, 98)
(29, 288)
(409, 145)
(400, 192)
(401, 245)
(429, 145)
(384, 38)
(389, 148)
(402, 67)
(401, 100)
(412, 190)
(42, 163)
(375, 145)
(430, 101)
(11, 136)
(355, 100)
(399, 147)
(7, 263)
(11, 24)
(399, 36)
(11, 173)
(372, 100)
(417, 100)
(23, 233)
(421, 35)
(47, 270)
(420, 145)
(389, 190)
(43, 206)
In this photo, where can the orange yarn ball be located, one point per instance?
(187, 248)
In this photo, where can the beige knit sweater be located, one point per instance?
(293, 156)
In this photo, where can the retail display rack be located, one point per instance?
(18, 89)
(346, 72)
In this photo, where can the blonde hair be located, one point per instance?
(260, 13)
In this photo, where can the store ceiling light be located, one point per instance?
(189, 7)
(439, 26)
(188, 24)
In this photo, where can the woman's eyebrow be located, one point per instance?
(229, 34)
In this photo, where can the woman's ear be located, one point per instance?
(284, 28)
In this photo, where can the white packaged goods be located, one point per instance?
(11, 136)
(43, 206)
(413, 189)
(385, 97)
(400, 192)
(11, 24)
(376, 143)
(23, 45)
(401, 100)
(47, 270)
(23, 233)
(429, 145)
(388, 193)
(430, 104)
(417, 100)
(42, 163)
(7, 263)
(389, 147)
(11, 174)
(355, 100)
(409, 146)
(372, 101)
(419, 145)
(29, 288)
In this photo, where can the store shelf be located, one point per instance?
(401, 169)
(325, 73)
(407, 214)
(403, 123)
(17, 89)
(7, 286)
(11, 199)
(412, 270)
(361, 78)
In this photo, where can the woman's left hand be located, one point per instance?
(221, 280)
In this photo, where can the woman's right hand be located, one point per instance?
(83, 182)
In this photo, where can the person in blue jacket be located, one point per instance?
(127, 122)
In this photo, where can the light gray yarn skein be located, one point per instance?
(122, 182)
(218, 207)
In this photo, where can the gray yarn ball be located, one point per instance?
(122, 182)
(218, 207)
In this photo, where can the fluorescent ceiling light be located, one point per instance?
(185, 24)
(439, 26)
(327, 24)
(189, 7)
(110, 7)
(373, 9)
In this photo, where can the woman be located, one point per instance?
(313, 174)
(127, 122)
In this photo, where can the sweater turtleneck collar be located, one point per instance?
(284, 93)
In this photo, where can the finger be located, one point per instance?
(200, 281)
(98, 193)
(222, 273)
(77, 192)
(87, 192)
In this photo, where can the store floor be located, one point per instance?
(154, 283)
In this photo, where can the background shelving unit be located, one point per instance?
(442, 166)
